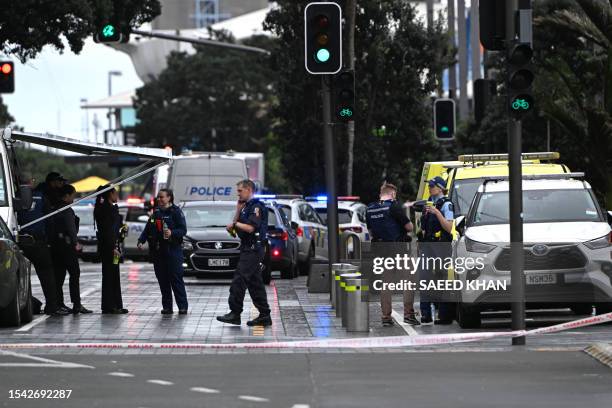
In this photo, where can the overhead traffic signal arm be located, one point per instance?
(323, 38)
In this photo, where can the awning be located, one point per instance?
(117, 101)
(88, 184)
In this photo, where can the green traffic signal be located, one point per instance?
(323, 55)
(521, 103)
(108, 31)
(444, 129)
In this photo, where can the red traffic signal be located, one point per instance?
(7, 77)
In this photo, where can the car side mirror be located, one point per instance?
(418, 206)
(610, 218)
(24, 200)
(460, 224)
(143, 218)
(294, 225)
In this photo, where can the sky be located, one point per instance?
(49, 89)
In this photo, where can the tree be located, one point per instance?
(395, 60)
(5, 117)
(26, 26)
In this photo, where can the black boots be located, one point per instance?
(230, 318)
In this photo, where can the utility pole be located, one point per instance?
(330, 172)
(351, 8)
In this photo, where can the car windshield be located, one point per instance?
(344, 216)
(538, 206)
(209, 216)
(85, 215)
(462, 194)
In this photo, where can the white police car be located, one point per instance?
(135, 216)
(351, 214)
(567, 243)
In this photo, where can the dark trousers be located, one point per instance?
(446, 308)
(248, 276)
(111, 284)
(65, 259)
(168, 265)
(40, 256)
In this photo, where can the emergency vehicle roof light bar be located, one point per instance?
(504, 156)
(278, 196)
(340, 198)
(560, 176)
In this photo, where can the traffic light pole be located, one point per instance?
(516, 200)
(330, 173)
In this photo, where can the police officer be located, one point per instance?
(65, 246)
(250, 223)
(388, 223)
(435, 242)
(36, 246)
(164, 233)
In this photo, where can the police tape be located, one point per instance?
(362, 342)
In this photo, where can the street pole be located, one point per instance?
(463, 60)
(330, 173)
(516, 200)
(452, 73)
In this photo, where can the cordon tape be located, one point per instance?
(363, 342)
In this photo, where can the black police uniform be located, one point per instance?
(108, 224)
(37, 251)
(65, 258)
(252, 250)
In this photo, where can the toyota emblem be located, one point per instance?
(539, 249)
(218, 245)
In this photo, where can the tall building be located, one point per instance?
(189, 14)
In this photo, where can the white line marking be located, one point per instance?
(407, 327)
(160, 382)
(120, 374)
(90, 291)
(300, 406)
(252, 398)
(33, 323)
(40, 361)
(204, 390)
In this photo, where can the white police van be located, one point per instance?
(206, 177)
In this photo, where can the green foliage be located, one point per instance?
(26, 26)
(5, 117)
(214, 100)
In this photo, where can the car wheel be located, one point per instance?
(304, 267)
(11, 315)
(582, 308)
(468, 317)
(26, 312)
(603, 308)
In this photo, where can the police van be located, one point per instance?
(206, 177)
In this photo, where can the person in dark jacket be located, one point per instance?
(108, 224)
(64, 247)
(164, 233)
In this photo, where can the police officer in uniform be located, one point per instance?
(164, 232)
(388, 223)
(250, 223)
(435, 242)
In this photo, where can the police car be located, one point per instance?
(308, 225)
(135, 216)
(567, 243)
(351, 214)
(87, 233)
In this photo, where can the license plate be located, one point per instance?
(541, 279)
(90, 248)
(218, 262)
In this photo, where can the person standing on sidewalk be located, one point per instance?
(64, 246)
(164, 233)
(251, 225)
(388, 224)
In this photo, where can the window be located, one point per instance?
(209, 216)
(361, 214)
(133, 214)
(85, 215)
(5, 231)
(286, 210)
(462, 194)
(345, 216)
(538, 206)
(308, 214)
(272, 220)
(3, 198)
(322, 213)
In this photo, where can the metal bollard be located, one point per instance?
(343, 278)
(337, 269)
(338, 288)
(357, 310)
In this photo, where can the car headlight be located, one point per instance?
(187, 245)
(480, 247)
(598, 243)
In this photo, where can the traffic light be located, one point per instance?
(520, 78)
(343, 88)
(7, 77)
(444, 119)
(484, 89)
(492, 21)
(108, 33)
(323, 38)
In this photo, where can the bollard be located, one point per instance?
(338, 288)
(337, 269)
(357, 310)
(342, 298)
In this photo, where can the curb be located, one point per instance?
(601, 352)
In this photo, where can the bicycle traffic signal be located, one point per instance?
(444, 119)
(343, 88)
(520, 79)
(7, 77)
(323, 38)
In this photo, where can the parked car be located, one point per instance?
(282, 243)
(135, 215)
(15, 287)
(567, 242)
(351, 214)
(87, 233)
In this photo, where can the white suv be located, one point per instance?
(567, 243)
(351, 214)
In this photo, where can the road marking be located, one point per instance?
(252, 398)
(33, 323)
(120, 374)
(40, 361)
(300, 406)
(204, 390)
(407, 327)
(160, 382)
